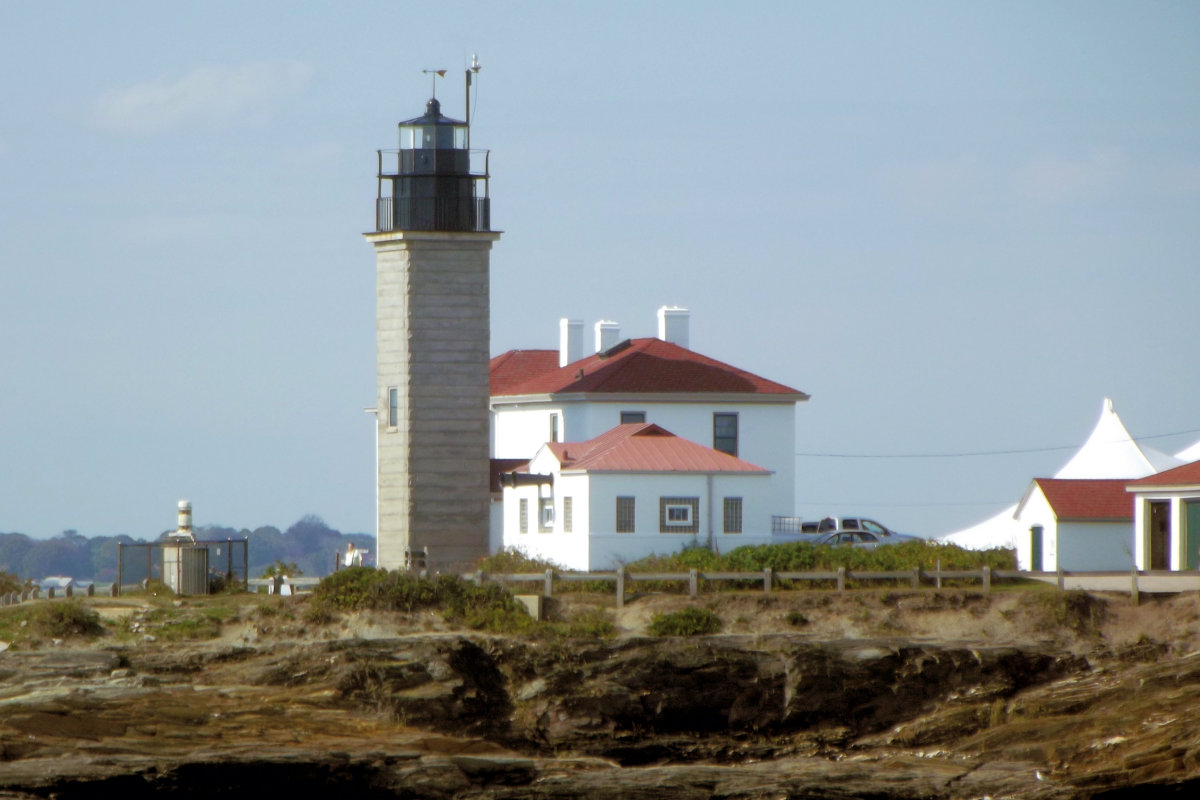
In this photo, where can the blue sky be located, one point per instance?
(959, 226)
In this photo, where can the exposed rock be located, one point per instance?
(447, 715)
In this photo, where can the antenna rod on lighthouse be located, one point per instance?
(434, 75)
(475, 66)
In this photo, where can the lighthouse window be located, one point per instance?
(393, 406)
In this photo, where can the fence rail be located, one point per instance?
(1133, 581)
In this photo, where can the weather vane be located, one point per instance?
(436, 73)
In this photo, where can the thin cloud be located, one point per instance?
(1058, 181)
(214, 96)
(933, 186)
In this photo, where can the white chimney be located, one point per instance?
(673, 325)
(570, 341)
(608, 333)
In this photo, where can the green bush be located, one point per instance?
(490, 607)
(796, 619)
(1074, 610)
(61, 619)
(806, 556)
(688, 622)
(510, 559)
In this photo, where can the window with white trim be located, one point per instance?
(523, 515)
(678, 514)
(628, 417)
(393, 412)
(568, 509)
(545, 514)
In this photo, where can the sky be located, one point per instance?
(957, 226)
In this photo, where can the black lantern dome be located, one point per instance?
(433, 187)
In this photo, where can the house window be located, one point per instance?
(625, 515)
(545, 514)
(567, 511)
(733, 515)
(393, 417)
(523, 515)
(678, 514)
(554, 427)
(628, 417)
(725, 433)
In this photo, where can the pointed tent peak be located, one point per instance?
(1110, 452)
(1189, 454)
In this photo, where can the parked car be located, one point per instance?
(857, 539)
(881, 531)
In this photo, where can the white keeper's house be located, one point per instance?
(642, 447)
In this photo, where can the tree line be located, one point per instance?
(310, 544)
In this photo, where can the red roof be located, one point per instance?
(1084, 499)
(518, 366)
(646, 447)
(1187, 475)
(633, 366)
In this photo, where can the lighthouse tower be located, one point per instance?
(432, 240)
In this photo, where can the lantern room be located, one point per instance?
(432, 186)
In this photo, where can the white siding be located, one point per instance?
(766, 432)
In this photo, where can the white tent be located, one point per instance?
(1189, 454)
(1109, 452)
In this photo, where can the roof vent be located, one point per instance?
(616, 348)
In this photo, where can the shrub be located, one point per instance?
(796, 619)
(490, 607)
(61, 619)
(688, 622)
(510, 559)
(1074, 610)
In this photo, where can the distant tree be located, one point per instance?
(266, 545)
(104, 550)
(13, 548)
(65, 554)
(11, 583)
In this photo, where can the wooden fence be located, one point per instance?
(769, 579)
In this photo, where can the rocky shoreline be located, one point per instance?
(445, 714)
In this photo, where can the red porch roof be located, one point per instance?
(1187, 475)
(646, 447)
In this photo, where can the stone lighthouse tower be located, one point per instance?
(432, 240)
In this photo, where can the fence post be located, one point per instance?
(120, 567)
(70, 591)
(767, 574)
(916, 578)
(115, 590)
(479, 577)
(50, 593)
(841, 579)
(693, 582)
(1062, 583)
(1134, 594)
(987, 579)
(621, 587)
(548, 591)
(939, 574)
